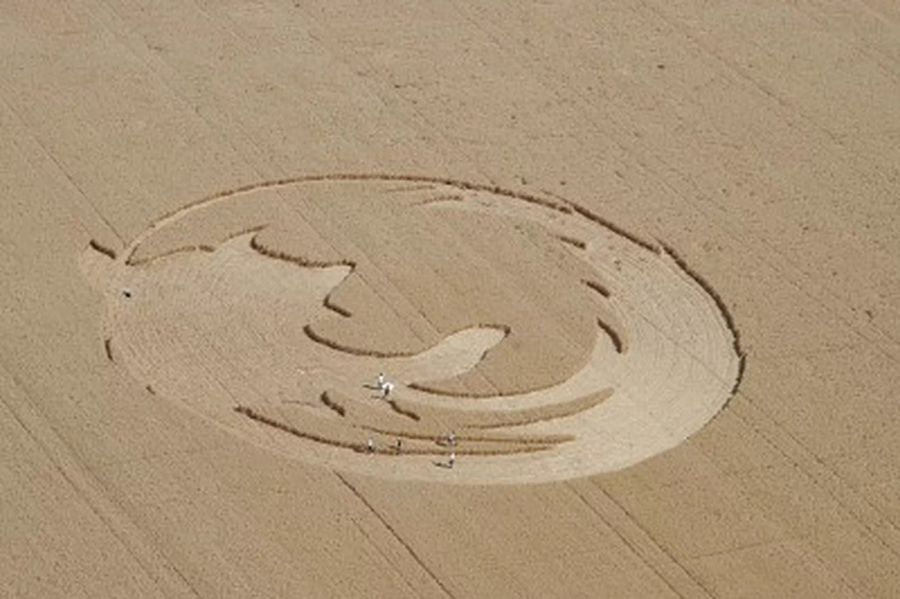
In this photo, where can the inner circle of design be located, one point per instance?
(549, 342)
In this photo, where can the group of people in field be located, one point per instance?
(386, 387)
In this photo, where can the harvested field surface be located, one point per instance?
(629, 271)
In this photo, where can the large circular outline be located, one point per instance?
(564, 207)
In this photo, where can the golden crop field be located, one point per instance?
(499, 299)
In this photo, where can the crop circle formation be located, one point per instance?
(527, 337)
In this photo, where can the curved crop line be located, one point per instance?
(469, 421)
(613, 336)
(521, 417)
(261, 418)
(468, 186)
(180, 250)
(581, 210)
(99, 247)
(131, 261)
(581, 245)
(403, 411)
(331, 404)
(723, 309)
(408, 188)
(329, 304)
(564, 208)
(440, 199)
(595, 286)
(307, 329)
(545, 441)
(298, 260)
(381, 449)
(246, 231)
